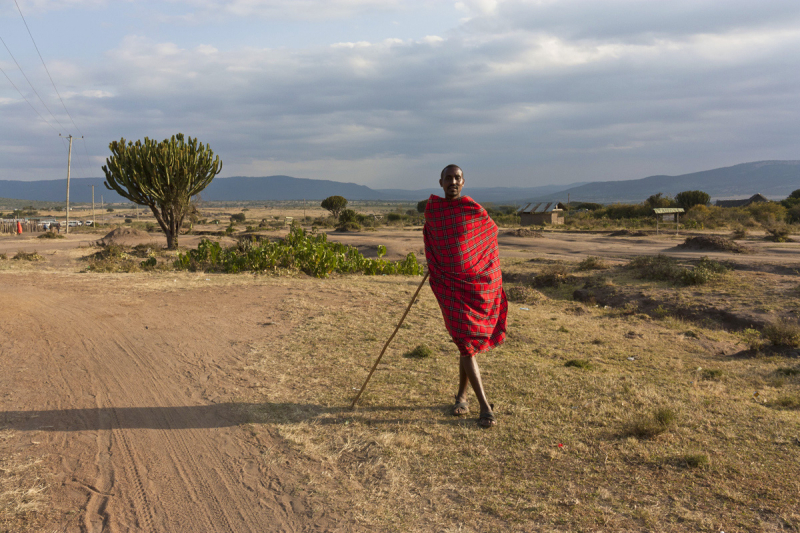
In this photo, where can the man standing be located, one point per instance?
(464, 266)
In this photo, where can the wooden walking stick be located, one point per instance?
(413, 299)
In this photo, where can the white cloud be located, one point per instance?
(560, 90)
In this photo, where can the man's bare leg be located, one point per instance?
(469, 373)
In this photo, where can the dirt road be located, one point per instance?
(126, 393)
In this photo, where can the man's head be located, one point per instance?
(452, 181)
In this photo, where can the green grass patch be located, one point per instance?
(420, 352)
(583, 364)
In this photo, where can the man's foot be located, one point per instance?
(487, 418)
(460, 408)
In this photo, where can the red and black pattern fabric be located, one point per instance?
(464, 265)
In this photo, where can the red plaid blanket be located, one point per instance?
(461, 249)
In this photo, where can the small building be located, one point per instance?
(755, 199)
(541, 213)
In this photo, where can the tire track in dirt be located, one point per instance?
(141, 450)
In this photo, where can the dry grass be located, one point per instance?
(23, 493)
(563, 456)
(27, 256)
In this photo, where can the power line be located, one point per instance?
(31, 84)
(45, 67)
(28, 101)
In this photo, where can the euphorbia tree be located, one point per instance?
(162, 176)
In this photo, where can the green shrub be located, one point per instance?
(112, 258)
(238, 217)
(299, 250)
(592, 263)
(783, 333)
(50, 235)
(349, 226)
(28, 256)
(348, 215)
(654, 268)
(649, 426)
(739, 233)
(663, 268)
(420, 352)
(778, 233)
(752, 338)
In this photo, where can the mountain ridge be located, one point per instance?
(772, 178)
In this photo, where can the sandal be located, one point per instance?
(487, 418)
(460, 408)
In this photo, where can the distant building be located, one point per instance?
(541, 213)
(755, 199)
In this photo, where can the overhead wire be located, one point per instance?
(29, 83)
(30, 34)
(26, 100)
(45, 67)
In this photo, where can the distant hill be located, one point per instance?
(80, 190)
(773, 179)
(242, 189)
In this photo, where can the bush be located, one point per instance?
(523, 295)
(663, 268)
(651, 425)
(739, 233)
(689, 199)
(28, 256)
(421, 206)
(552, 276)
(621, 211)
(767, 213)
(394, 217)
(334, 204)
(312, 254)
(782, 333)
(654, 268)
(349, 226)
(592, 263)
(238, 217)
(50, 235)
(112, 258)
(348, 215)
(778, 233)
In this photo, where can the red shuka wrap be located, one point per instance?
(464, 265)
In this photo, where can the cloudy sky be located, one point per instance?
(386, 92)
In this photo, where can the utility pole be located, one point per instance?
(69, 165)
(94, 220)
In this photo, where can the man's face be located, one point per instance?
(452, 183)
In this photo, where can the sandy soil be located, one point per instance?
(126, 385)
(124, 389)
